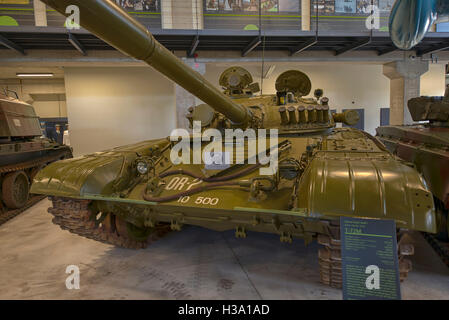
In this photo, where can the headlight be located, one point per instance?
(142, 167)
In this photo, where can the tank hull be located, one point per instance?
(55, 152)
(427, 148)
(338, 180)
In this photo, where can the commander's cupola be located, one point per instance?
(238, 83)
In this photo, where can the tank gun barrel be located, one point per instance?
(112, 24)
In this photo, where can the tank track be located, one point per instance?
(77, 217)
(9, 214)
(440, 247)
(329, 257)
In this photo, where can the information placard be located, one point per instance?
(369, 259)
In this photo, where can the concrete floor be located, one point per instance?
(192, 264)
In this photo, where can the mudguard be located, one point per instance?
(346, 184)
(91, 174)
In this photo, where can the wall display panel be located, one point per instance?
(147, 12)
(363, 6)
(324, 7)
(244, 14)
(234, 6)
(16, 13)
(349, 15)
(345, 6)
(385, 6)
(333, 15)
(289, 6)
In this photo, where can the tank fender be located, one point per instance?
(367, 186)
(75, 177)
(95, 174)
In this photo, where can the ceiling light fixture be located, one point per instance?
(34, 75)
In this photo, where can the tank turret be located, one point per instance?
(18, 120)
(432, 109)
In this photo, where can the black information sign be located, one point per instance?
(369, 259)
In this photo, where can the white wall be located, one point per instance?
(346, 85)
(109, 107)
(433, 82)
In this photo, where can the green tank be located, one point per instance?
(132, 194)
(426, 145)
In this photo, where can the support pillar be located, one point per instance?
(40, 13)
(184, 99)
(182, 14)
(305, 15)
(197, 15)
(166, 14)
(405, 84)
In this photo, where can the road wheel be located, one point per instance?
(15, 189)
(128, 230)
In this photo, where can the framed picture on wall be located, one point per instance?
(324, 6)
(363, 6)
(140, 5)
(251, 5)
(212, 5)
(269, 5)
(226, 5)
(386, 5)
(345, 6)
(289, 6)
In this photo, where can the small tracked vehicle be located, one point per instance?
(23, 152)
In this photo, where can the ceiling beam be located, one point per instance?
(195, 43)
(433, 49)
(354, 46)
(76, 44)
(386, 50)
(11, 45)
(251, 46)
(304, 46)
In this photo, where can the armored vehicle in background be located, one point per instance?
(22, 154)
(308, 174)
(426, 144)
